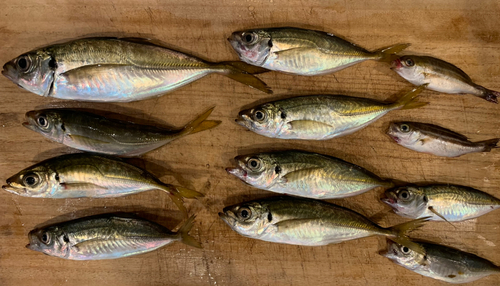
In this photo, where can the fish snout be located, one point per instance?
(396, 64)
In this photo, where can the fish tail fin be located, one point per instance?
(398, 233)
(242, 76)
(386, 54)
(177, 194)
(184, 233)
(251, 69)
(407, 100)
(488, 94)
(200, 123)
(489, 144)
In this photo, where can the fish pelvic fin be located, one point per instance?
(489, 144)
(200, 123)
(386, 54)
(242, 76)
(488, 94)
(398, 233)
(407, 100)
(184, 233)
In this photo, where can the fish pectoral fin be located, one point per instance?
(74, 76)
(294, 52)
(88, 245)
(298, 175)
(82, 187)
(294, 223)
(308, 125)
(86, 140)
(439, 215)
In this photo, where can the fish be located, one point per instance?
(436, 140)
(305, 174)
(116, 70)
(440, 262)
(85, 175)
(94, 133)
(301, 51)
(440, 76)
(301, 221)
(320, 117)
(440, 202)
(106, 236)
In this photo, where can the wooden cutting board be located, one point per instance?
(462, 32)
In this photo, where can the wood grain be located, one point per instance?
(462, 32)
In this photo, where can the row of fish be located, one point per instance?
(129, 69)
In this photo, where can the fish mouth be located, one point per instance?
(244, 120)
(14, 188)
(238, 172)
(30, 246)
(390, 251)
(228, 217)
(396, 64)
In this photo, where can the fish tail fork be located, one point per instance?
(489, 144)
(184, 230)
(242, 76)
(407, 101)
(489, 95)
(200, 123)
(177, 194)
(387, 54)
(398, 233)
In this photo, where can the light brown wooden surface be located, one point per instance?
(463, 32)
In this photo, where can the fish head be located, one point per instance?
(34, 182)
(46, 122)
(404, 133)
(264, 120)
(408, 201)
(33, 71)
(257, 170)
(252, 46)
(403, 255)
(248, 219)
(50, 240)
(410, 68)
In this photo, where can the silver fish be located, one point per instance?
(436, 140)
(440, 202)
(307, 222)
(107, 236)
(320, 117)
(85, 175)
(93, 133)
(441, 262)
(115, 70)
(305, 174)
(440, 76)
(301, 51)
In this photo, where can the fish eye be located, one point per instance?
(253, 163)
(259, 115)
(45, 238)
(249, 37)
(405, 128)
(409, 62)
(31, 179)
(404, 194)
(405, 250)
(244, 213)
(23, 63)
(42, 120)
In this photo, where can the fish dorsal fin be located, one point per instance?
(439, 215)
